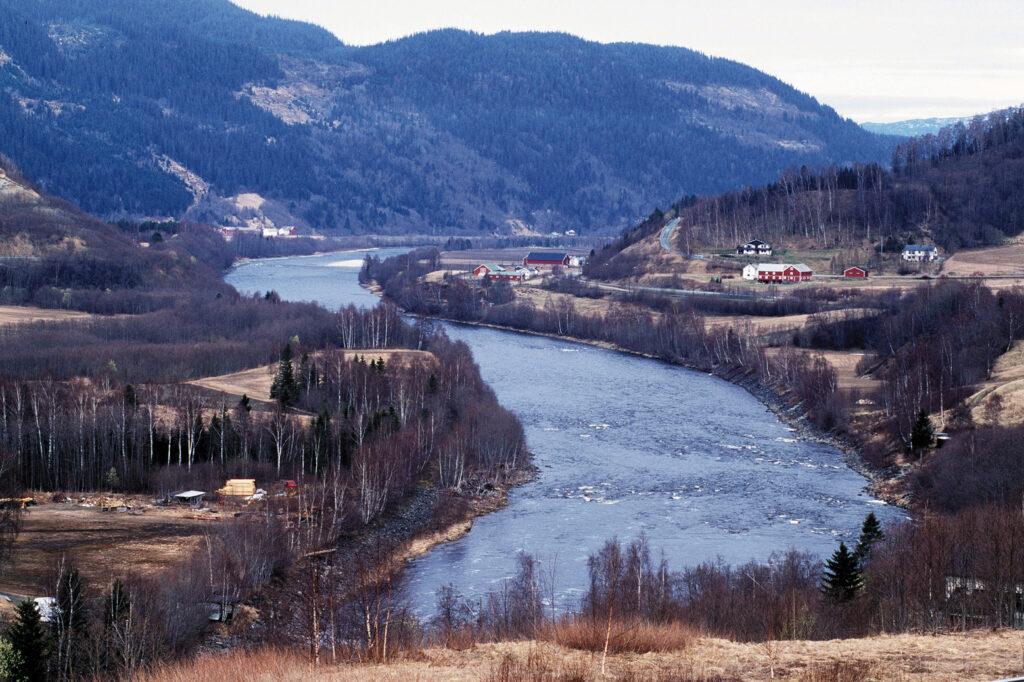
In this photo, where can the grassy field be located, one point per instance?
(103, 544)
(14, 314)
(981, 655)
(1006, 382)
(256, 382)
(995, 261)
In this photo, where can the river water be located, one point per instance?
(624, 445)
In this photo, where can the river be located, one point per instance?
(624, 445)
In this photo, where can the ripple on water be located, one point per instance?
(695, 508)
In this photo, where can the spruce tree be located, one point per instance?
(842, 580)
(870, 533)
(922, 435)
(284, 388)
(30, 644)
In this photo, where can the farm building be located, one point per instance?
(485, 269)
(784, 273)
(855, 272)
(750, 272)
(497, 273)
(755, 247)
(917, 253)
(544, 259)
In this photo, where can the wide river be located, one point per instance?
(624, 445)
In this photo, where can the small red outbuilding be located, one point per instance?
(855, 272)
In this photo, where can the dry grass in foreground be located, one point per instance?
(621, 637)
(980, 655)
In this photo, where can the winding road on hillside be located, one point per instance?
(666, 234)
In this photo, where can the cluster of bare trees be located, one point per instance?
(386, 425)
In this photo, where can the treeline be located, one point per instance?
(359, 435)
(386, 424)
(938, 575)
(929, 348)
(676, 332)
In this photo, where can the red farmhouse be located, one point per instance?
(855, 272)
(544, 259)
(783, 273)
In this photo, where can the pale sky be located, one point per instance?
(871, 60)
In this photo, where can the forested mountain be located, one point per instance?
(199, 108)
(961, 188)
(914, 127)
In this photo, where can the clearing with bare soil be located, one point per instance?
(102, 544)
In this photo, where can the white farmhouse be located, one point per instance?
(750, 272)
(917, 253)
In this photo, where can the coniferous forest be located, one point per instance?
(440, 132)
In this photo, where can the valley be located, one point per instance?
(512, 355)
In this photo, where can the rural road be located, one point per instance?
(666, 234)
(679, 293)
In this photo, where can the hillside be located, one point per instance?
(203, 110)
(913, 127)
(959, 189)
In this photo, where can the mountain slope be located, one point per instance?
(961, 188)
(199, 108)
(914, 127)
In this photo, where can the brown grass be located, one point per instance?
(16, 314)
(980, 655)
(1007, 382)
(635, 637)
(102, 544)
(237, 666)
(256, 382)
(998, 261)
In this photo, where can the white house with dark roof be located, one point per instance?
(755, 247)
(917, 253)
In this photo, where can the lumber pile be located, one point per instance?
(239, 487)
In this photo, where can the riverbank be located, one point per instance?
(883, 484)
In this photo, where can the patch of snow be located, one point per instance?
(198, 187)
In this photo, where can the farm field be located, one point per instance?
(16, 314)
(102, 544)
(470, 258)
(1006, 387)
(255, 383)
(995, 261)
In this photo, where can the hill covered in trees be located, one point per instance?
(204, 110)
(963, 187)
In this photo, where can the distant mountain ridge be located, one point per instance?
(197, 108)
(914, 127)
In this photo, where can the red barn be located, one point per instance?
(544, 259)
(855, 272)
(485, 269)
(783, 273)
